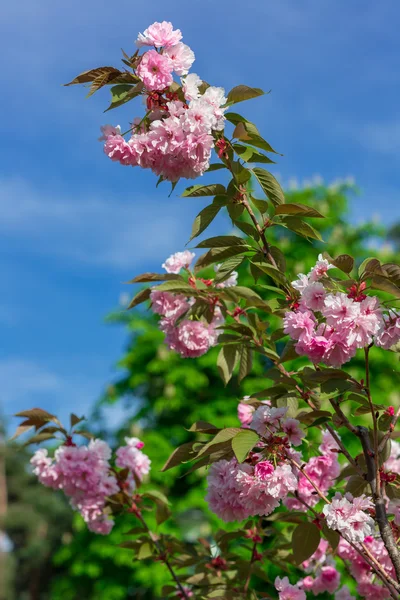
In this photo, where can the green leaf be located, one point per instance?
(243, 92)
(204, 218)
(222, 436)
(140, 297)
(248, 131)
(216, 167)
(308, 418)
(146, 277)
(332, 536)
(74, 419)
(344, 262)
(226, 361)
(269, 185)
(251, 155)
(274, 273)
(305, 541)
(222, 241)
(204, 190)
(181, 454)
(175, 286)
(384, 284)
(162, 505)
(145, 551)
(301, 228)
(298, 209)
(217, 255)
(393, 272)
(357, 485)
(243, 442)
(40, 437)
(122, 93)
(204, 427)
(246, 362)
(111, 72)
(261, 205)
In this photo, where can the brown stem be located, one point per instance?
(380, 508)
(261, 233)
(248, 578)
(162, 554)
(374, 420)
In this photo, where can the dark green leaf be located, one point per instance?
(298, 209)
(226, 361)
(203, 219)
(243, 92)
(243, 442)
(305, 541)
(222, 241)
(269, 185)
(301, 228)
(122, 93)
(246, 362)
(204, 190)
(140, 297)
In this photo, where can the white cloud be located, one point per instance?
(103, 231)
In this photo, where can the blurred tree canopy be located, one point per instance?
(35, 522)
(164, 394)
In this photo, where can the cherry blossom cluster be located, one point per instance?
(329, 326)
(85, 475)
(256, 487)
(323, 577)
(175, 138)
(189, 337)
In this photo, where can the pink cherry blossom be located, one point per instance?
(393, 462)
(190, 86)
(191, 339)
(280, 482)
(178, 261)
(119, 150)
(313, 346)
(389, 334)
(327, 580)
(245, 413)
(301, 282)
(266, 420)
(158, 35)
(340, 310)
(320, 269)
(288, 591)
(155, 70)
(181, 56)
(169, 305)
(344, 594)
(347, 515)
(329, 444)
(313, 297)
(263, 469)
(296, 324)
(293, 431)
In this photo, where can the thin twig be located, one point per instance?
(380, 508)
(162, 555)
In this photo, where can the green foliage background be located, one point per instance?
(165, 394)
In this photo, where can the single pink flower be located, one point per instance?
(158, 35)
(155, 70)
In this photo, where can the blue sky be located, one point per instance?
(74, 226)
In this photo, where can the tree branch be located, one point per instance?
(380, 509)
